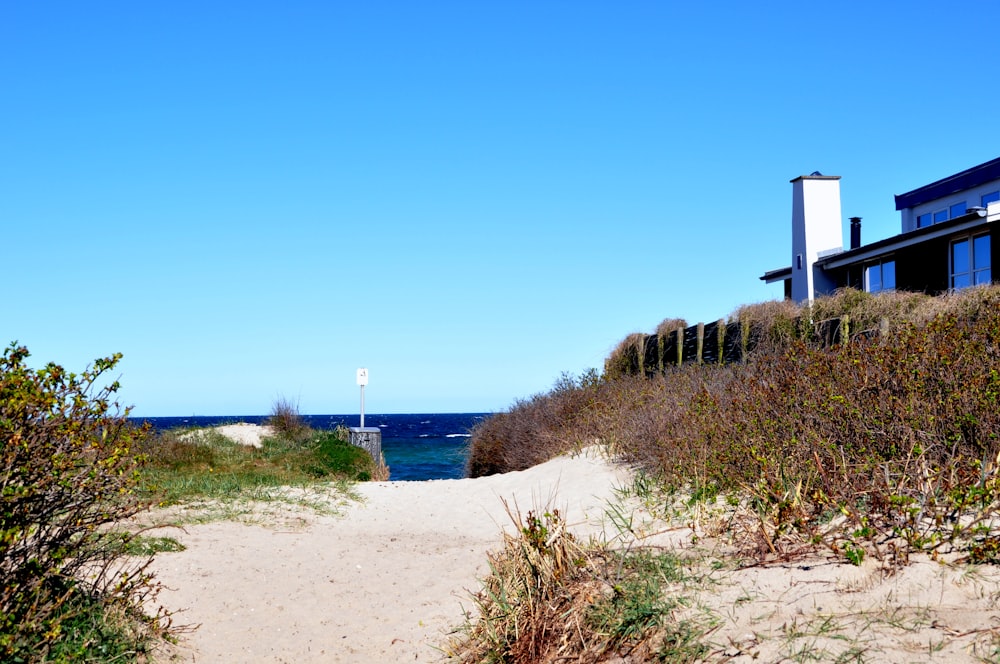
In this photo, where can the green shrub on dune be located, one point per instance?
(69, 589)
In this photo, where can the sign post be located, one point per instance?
(369, 438)
(362, 381)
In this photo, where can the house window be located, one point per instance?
(970, 261)
(880, 276)
(990, 197)
(956, 210)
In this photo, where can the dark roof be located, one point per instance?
(967, 179)
(777, 275)
(975, 218)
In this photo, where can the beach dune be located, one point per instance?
(382, 582)
(388, 577)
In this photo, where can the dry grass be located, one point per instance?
(670, 326)
(285, 419)
(627, 357)
(870, 455)
(898, 434)
(550, 598)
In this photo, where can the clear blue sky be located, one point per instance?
(253, 199)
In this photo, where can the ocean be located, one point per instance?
(416, 447)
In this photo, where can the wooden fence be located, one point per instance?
(724, 343)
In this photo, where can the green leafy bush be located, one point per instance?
(68, 474)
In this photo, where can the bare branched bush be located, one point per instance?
(533, 430)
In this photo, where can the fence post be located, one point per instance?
(700, 345)
(845, 330)
(720, 340)
(744, 339)
(661, 350)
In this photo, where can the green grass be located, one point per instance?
(92, 633)
(637, 602)
(204, 465)
(148, 546)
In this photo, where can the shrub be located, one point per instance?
(533, 430)
(897, 434)
(285, 419)
(627, 357)
(68, 474)
(670, 326)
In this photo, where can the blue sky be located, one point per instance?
(250, 200)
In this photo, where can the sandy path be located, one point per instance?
(382, 583)
(386, 580)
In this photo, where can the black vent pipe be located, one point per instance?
(855, 232)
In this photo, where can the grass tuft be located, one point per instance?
(549, 597)
(286, 421)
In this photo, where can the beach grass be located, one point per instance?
(200, 465)
(552, 597)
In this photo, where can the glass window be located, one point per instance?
(970, 261)
(880, 276)
(980, 252)
(888, 275)
(873, 279)
(990, 197)
(924, 220)
(960, 257)
(957, 210)
(981, 259)
(940, 215)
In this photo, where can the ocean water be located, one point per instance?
(430, 446)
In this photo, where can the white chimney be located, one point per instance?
(816, 232)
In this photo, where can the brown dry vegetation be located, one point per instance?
(880, 447)
(895, 432)
(549, 598)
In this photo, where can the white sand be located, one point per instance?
(382, 583)
(387, 579)
(241, 432)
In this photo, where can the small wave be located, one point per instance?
(458, 435)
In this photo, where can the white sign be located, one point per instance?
(362, 377)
